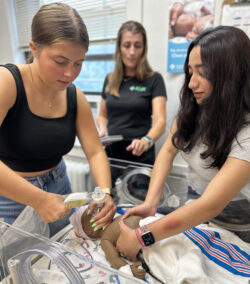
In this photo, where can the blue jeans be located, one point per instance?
(55, 181)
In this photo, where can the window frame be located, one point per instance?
(31, 6)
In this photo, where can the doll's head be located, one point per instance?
(82, 226)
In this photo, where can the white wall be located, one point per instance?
(153, 14)
(9, 52)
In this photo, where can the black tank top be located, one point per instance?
(30, 143)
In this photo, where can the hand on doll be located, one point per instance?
(127, 242)
(105, 216)
(82, 223)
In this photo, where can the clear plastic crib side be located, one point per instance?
(28, 258)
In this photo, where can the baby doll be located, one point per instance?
(80, 220)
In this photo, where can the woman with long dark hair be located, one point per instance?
(212, 132)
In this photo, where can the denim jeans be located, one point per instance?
(55, 181)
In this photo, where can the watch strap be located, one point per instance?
(139, 237)
(148, 139)
(144, 229)
(106, 190)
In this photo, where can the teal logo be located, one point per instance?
(138, 89)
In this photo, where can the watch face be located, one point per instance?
(148, 239)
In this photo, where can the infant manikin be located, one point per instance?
(83, 229)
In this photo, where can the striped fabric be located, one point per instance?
(228, 256)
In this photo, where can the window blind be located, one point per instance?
(103, 18)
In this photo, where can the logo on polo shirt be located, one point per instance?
(138, 89)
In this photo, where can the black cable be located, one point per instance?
(145, 266)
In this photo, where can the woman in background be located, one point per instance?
(212, 131)
(132, 94)
(41, 112)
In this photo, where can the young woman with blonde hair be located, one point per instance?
(133, 100)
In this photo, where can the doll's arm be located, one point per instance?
(112, 254)
(117, 261)
(138, 272)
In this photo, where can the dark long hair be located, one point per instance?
(225, 54)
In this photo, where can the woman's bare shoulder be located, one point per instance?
(7, 86)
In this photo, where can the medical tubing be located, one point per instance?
(145, 266)
(25, 269)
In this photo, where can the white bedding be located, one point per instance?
(205, 254)
(91, 249)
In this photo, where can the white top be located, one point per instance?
(199, 176)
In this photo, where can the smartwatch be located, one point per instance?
(148, 139)
(147, 236)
